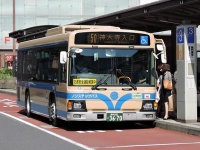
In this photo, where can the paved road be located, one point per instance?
(16, 135)
(20, 132)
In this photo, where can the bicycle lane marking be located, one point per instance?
(8, 103)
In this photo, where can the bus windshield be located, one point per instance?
(89, 66)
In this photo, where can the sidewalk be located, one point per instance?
(170, 124)
(9, 91)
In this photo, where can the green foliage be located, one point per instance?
(5, 73)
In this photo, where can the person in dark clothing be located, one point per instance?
(164, 93)
(159, 85)
(198, 83)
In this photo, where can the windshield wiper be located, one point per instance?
(130, 83)
(100, 83)
(107, 76)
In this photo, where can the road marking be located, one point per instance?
(49, 132)
(80, 131)
(100, 131)
(145, 145)
(119, 130)
(90, 131)
(9, 103)
(23, 117)
(48, 126)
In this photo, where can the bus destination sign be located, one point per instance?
(84, 81)
(112, 38)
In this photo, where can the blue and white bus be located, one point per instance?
(87, 73)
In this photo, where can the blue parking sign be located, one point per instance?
(190, 35)
(180, 35)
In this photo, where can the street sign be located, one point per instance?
(180, 35)
(190, 34)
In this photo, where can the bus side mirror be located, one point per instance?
(63, 57)
(164, 57)
(160, 47)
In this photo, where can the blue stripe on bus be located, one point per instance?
(88, 96)
(39, 108)
(21, 103)
(45, 45)
(42, 109)
(104, 98)
(42, 86)
(93, 96)
(61, 113)
(38, 85)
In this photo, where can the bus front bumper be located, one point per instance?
(104, 116)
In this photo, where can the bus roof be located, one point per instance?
(49, 30)
(68, 28)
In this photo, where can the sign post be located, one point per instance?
(186, 73)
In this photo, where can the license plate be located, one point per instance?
(114, 117)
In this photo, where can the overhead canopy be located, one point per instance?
(154, 17)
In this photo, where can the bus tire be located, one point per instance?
(28, 104)
(53, 112)
(151, 124)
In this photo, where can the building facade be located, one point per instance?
(29, 13)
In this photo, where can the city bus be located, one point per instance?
(88, 73)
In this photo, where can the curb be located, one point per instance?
(12, 92)
(187, 128)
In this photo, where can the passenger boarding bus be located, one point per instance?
(88, 73)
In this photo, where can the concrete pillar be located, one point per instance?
(186, 73)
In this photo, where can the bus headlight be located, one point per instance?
(76, 105)
(148, 106)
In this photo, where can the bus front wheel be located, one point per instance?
(53, 113)
(28, 104)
